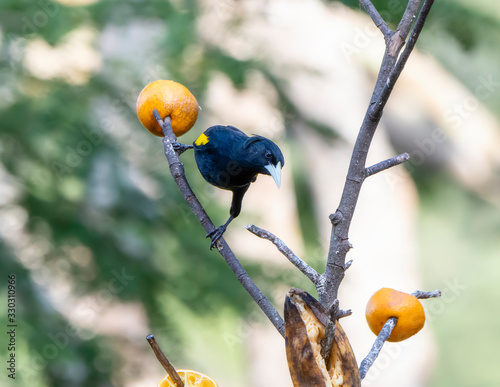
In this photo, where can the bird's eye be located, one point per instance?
(268, 154)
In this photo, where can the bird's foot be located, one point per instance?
(215, 235)
(181, 148)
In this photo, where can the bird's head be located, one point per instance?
(266, 156)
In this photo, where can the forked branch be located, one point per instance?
(377, 19)
(391, 68)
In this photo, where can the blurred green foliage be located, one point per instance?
(88, 222)
(94, 214)
(460, 245)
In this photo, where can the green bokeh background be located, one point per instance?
(70, 201)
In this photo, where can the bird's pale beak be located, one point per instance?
(275, 171)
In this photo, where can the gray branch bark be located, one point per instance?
(307, 270)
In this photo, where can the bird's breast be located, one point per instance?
(222, 171)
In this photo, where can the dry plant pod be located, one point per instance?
(305, 320)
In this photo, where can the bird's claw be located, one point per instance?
(181, 148)
(215, 235)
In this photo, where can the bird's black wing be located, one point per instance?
(229, 140)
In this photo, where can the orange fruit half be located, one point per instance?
(386, 303)
(190, 379)
(170, 99)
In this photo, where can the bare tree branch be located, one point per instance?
(386, 164)
(393, 45)
(341, 220)
(377, 346)
(398, 68)
(177, 171)
(308, 271)
(377, 19)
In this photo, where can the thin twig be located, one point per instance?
(386, 164)
(308, 271)
(177, 171)
(425, 295)
(377, 19)
(408, 17)
(343, 313)
(377, 346)
(164, 361)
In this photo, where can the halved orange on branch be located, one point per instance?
(387, 303)
(170, 99)
(190, 379)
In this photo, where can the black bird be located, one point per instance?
(229, 159)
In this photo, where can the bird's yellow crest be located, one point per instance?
(202, 140)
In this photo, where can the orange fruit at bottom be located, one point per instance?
(386, 303)
(170, 99)
(190, 379)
